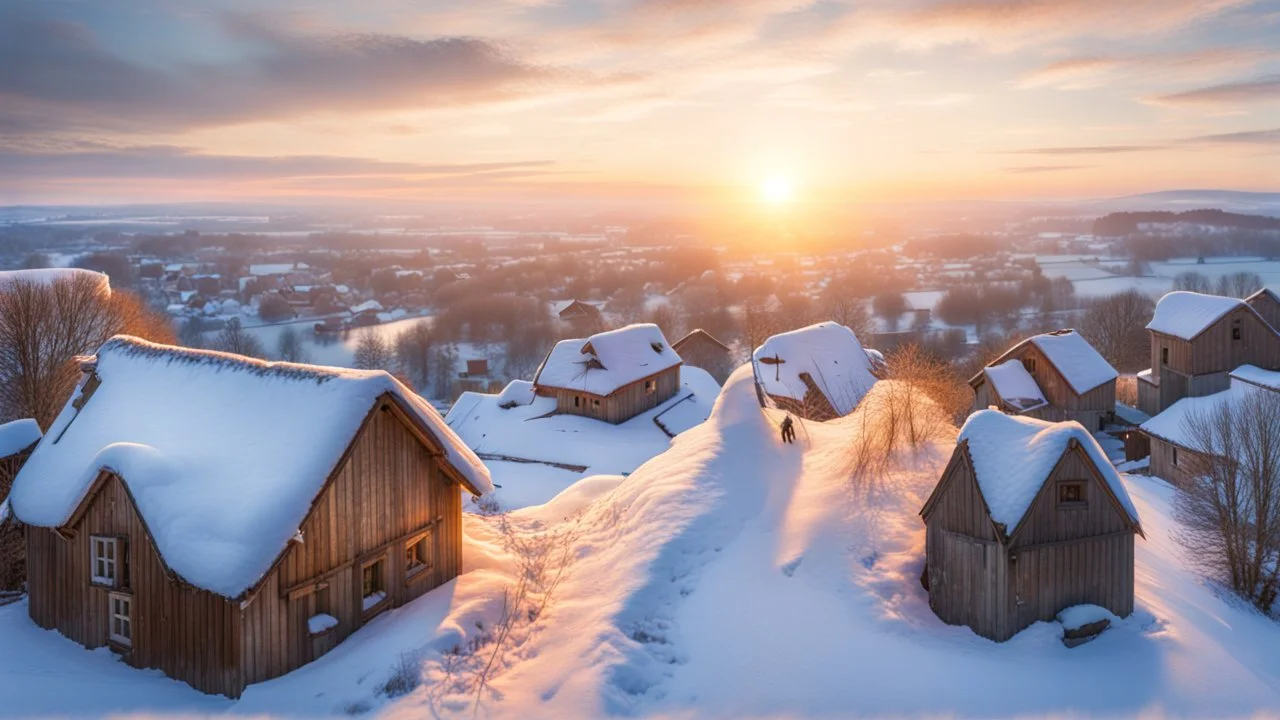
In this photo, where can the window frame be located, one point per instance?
(424, 545)
(1164, 355)
(1235, 329)
(1080, 504)
(113, 617)
(379, 587)
(114, 563)
(650, 387)
(1175, 456)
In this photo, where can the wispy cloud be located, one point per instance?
(1083, 150)
(1263, 89)
(1028, 169)
(1247, 137)
(1086, 72)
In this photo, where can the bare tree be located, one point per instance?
(444, 359)
(413, 352)
(234, 339)
(45, 325)
(841, 304)
(1116, 326)
(372, 351)
(291, 348)
(1192, 281)
(890, 307)
(1229, 512)
(1239, 284)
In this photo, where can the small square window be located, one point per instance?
(595, 403)
(1071, 493)
(121, 618)
(650, 387)
(418, 555)
(373, 584)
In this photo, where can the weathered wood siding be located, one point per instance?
(189, 634)
(700, 351)
(624, 404)
(1268, 307)
(389, 489)
(1199, 367)
(1059, 556)
(1169, 462)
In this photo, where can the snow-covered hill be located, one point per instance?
(731, 576)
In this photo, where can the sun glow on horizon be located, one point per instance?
(777, 190)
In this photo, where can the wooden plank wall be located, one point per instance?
(389, 487)
(192, 635)
(1088, 408)
(1162, 462)
(1268, 308)
(1216, 351)
(622, 405)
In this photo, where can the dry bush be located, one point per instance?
(935, 378)
(1229, 513)
(13, 557)
(1127, 390)
(44, 326)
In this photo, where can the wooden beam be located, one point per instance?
(303, 588)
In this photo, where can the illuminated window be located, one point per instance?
(650, 387)
(1071, 493)
(373, 584)
(418, 555)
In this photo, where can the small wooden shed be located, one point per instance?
(1029, 518)
(701, 349)
(819, 372)
(282, 508)
(1051, 376)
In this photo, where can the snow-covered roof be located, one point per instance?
(1185, 314)
(225, 477)
(1269, 379)
(1171, 424)
(18, 435)
(698, 333)
(47, 276)
(828, 352)
(1082, 366)
(1015, 386)
(606, 362)
(1013, 456)
(366, 306)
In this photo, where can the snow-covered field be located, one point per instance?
(336, 349)
(731, 576)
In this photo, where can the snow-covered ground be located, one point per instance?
(533, 455)
(731, 576)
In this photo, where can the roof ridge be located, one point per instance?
(134, 347)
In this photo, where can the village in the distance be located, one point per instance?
(1023, 460)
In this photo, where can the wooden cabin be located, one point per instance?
(1267, 303)
(282, 510)
(611, 376)
(818, 372)
(583, 317)
(1053, 376)
(1197, 340)
(1029, 518)
(701, 349)
(1174, 450)
(17, 439)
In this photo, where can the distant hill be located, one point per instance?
(1235, 201)
(1127, 223)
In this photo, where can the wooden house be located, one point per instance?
(1197, 340)
(284, 508)
(818, 372)
(1029, 518)
(611, 376)
(1052, 376)
(1267, 303)
(583, 317)
(1173, 448)
(701, 349)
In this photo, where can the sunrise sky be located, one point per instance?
(128, 100)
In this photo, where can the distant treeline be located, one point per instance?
(1126, 223)
(954, 247)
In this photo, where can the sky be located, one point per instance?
(106, 101)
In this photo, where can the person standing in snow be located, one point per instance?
(788, 430)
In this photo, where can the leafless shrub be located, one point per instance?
(235, 339)
(44, 326)
(1116, 326)
(406, 676)
(372, 351)
(1127, 390)
(1229, 512)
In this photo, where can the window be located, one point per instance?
(373, 588)
(1235, 329)
(595, 403)
(418, 555)
(1029, 364)
(1164, 356)
(650, 387)
(121, 619)
(1071, 494)
(105, 561)
(577, 401)
(1175, 456)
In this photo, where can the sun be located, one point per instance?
(776, 190)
